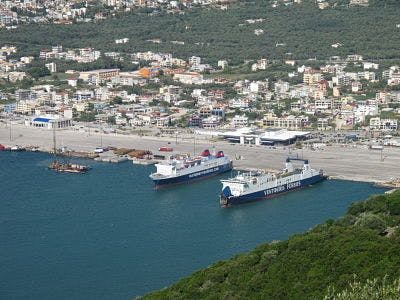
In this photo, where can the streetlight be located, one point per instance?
(10, 129)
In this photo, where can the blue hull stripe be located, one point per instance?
(268, 193)
(193, 176)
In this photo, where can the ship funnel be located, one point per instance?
(220, 154)
(205, 153)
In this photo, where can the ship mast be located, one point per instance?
(194, 143)
(10, 129)
(54, 141)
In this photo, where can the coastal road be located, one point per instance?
(352, 163)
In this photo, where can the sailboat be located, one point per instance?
(65, 167)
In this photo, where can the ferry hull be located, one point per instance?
(227, 200)
(170, 181)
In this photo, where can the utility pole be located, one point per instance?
(54, 141)
(10, 129)
(194, 143)
(101, 137)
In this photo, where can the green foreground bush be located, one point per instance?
(319, 264)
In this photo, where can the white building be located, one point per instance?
(222, 64)
(361, 111)
(369, 65)
(383, 124)
(281, 87)
(49, 122)
(239, 103)
(289, 122)
(195, 60)
(52, 67)
(189, 78)
(261, 64)
(25, 106)
(122, 41)
(240, 121)
(211, 122)
(323, 124)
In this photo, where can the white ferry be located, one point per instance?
(251, 186)
(184, 169)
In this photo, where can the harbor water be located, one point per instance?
(108, 234)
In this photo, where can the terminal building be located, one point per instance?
(270, 137)
(49, 122)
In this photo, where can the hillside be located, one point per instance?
(300, 29)
(363, 245)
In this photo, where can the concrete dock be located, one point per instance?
(345, 162)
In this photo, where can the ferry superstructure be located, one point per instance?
(182, 170)
(251, 186)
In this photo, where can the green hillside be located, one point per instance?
(300, 29)
(361, 246)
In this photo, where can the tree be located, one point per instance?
(116, 100)
(37, 72)
(111, 120)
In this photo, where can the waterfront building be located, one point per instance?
(247, 135)
(289, 122)
(49, 122)
(194, 121)
(240, 121)
(383, 124)
(323, 124)
(25, 107)
(211, 122)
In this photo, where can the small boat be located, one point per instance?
(67, 167)
(99, 150)
(2, 147)
(64, 167)
(17, 148)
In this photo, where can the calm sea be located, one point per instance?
(109, 235)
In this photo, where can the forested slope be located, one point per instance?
(361, 246)
(300, 29)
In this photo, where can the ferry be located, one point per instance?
(251, 186)
(178, 170)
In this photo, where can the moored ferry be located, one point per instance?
(251, 186)
(179, 170)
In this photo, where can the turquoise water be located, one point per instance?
(109, 235)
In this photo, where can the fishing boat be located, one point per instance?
(64, 167)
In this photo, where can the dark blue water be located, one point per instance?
(108, 235)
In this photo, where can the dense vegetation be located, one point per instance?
(363, 245)
(302, 30)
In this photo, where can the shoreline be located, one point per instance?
(337, 161)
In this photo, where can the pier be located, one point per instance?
(356, 163)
